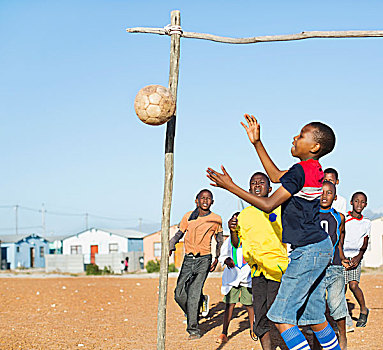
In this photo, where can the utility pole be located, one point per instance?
(43, 218)
(16, 219)
(140, 224)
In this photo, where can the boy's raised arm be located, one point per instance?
(253, 132)
(266, 204)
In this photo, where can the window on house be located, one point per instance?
(157, 249)
(113, 247)
(41, 252)
(17, 249)
(75, 249)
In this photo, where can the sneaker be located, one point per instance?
(222, 339)
(205, 306)
(194, 336)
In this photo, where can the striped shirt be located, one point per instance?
(300, 214)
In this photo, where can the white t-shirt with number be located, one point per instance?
(356, 231)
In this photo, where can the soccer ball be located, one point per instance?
(154, 105)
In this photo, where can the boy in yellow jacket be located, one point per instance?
(260, 235)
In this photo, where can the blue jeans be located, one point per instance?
(301, 297)
(188, 291)
(336, 298)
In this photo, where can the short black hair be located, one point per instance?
(358, 192)
(204, 190)
(325, 136)
(332, 171)
(326, 182)
(262, 174)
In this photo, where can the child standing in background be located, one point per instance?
(236, 284)
(355, 245)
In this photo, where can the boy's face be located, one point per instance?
(328, 195)
(331, 177)
(259, 186)
(204, 201)
(304, 144)
(359, 202)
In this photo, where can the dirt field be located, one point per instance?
(121, 313)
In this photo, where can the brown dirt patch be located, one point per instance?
(121, 313)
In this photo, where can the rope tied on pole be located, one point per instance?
(173, 29)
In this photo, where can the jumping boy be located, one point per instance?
(236, 284)
(301, 296)
(340, 203)
(199, 227)
(333, 223)
(355, 244)
(260, 235)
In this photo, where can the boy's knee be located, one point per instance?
(354, 285)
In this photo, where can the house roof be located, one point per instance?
(57, 238)
(119, 232)
(159, 231)
(18, 238)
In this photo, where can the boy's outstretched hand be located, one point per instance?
(252, 128)
(219, 180)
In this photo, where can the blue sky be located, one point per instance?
(69, 136)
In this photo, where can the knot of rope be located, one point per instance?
(172, 29)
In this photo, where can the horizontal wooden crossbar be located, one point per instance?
(267, 38)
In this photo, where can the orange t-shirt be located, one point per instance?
(199, 232)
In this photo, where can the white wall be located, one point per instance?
(373, 257)
(64, 263)
(94, 237)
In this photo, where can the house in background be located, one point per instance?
(102, 241)
(373, 257)
(152, 247)
(56, 244)
(26, 251)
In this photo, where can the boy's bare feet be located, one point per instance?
(222, 339)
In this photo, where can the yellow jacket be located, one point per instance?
(261, 237)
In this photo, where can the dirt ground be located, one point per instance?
(121, 313)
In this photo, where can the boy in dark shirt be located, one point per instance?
(334, 223)
(301, 296)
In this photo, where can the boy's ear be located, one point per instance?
(270, 189)
(315, 148)
(335, 197)
(196, 202)
(337, 182)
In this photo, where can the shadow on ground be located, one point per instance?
(215, 323)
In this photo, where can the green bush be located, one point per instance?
(107, 270)
(92, 269)
(154, 266)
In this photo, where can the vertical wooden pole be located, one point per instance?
(168, 185)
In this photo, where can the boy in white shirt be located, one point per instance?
(340, 203)
(236, 284)
(355, 244)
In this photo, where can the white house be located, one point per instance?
(373, 257)
(102, 241)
